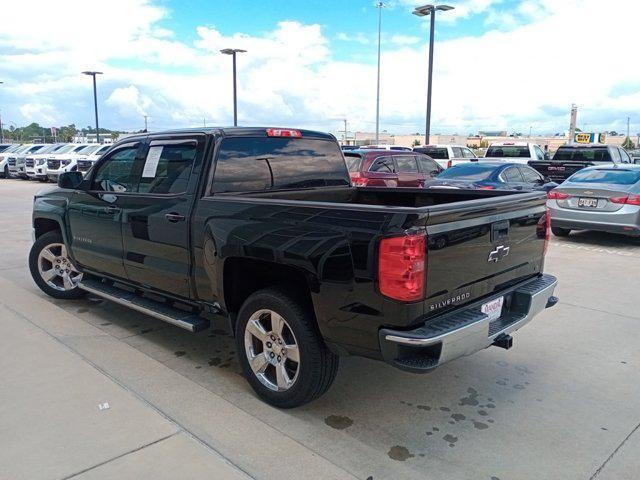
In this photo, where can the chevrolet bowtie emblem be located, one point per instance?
(498, 254)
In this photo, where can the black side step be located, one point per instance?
(189, 321)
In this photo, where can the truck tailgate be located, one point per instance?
(558, 171)
(479, 248)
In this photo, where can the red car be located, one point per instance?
(390, 168)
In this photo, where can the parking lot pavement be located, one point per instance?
(563, 403)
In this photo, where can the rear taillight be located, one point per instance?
(357, 180)
(485, 187)
(553, 195)
(629, 200)
(402, 267)
(449, 163)
(547, 228)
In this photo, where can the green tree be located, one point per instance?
(416, 143)
(628, 144)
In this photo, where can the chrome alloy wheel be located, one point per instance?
(56, 269)
(272, 350)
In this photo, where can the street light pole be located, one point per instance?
(1, 127)
(233, 52)
(95, 101)
(379, 6)
(421, 12)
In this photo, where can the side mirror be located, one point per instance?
(70, 180)
(547, 187)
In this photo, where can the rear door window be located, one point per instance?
(167, 167)
(383, 165)
(406, 164)
(428, 166)
(512, 174)
(530, 175)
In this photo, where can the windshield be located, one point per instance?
(510, 151)
(13, 148)
(437, 153)
(618, 177)
(468, 171)
(103, 149)
(49, 149)
(88, 150)
(583, 154)
(353, 162)
(64, 149)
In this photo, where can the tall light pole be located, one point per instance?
(379, 6)
(233, 52)
(421, 12)
(95, 101)
(1, 128)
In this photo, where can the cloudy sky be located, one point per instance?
(499, 64)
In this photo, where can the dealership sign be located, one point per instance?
(584, 137)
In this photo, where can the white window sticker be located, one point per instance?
(151, 163)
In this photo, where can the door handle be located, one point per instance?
(112, 210)
(174, 217)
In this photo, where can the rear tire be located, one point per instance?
(6, 171)
(560, 232)
(269, 320)
(51, 268)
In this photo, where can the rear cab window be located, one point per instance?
(246, 164)
(586, 154)
(434, 152)
(508, 151)
(383, 165)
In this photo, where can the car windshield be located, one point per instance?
(88, 150)
(468, 171)
(49, 149)
(12, 148)
(510, 151)
(353, 162)
(618, 177)
(437, 153)
(583, 154)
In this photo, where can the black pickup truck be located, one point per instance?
(569, 159)
(259, 231)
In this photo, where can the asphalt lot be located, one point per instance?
(563, 403)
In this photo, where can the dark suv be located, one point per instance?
(390, 168)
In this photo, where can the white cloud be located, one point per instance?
(360, 38)
(528, 74)
(402, 40)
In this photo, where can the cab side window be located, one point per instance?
(468, 153)
(167, 168)
(457, 152)
(117, 173)
(615, 155)
(539, 153)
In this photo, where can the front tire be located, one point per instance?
(281, 351)
(51, 268)
(560, 232)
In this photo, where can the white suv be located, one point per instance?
(64, 162)
(16, 160)
(4, 158)
(89, 156)
(447, 155)
(37, 161)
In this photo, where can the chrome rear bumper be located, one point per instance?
(468, 330)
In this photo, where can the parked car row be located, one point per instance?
(45, 162)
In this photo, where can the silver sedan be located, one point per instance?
(604, 198)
